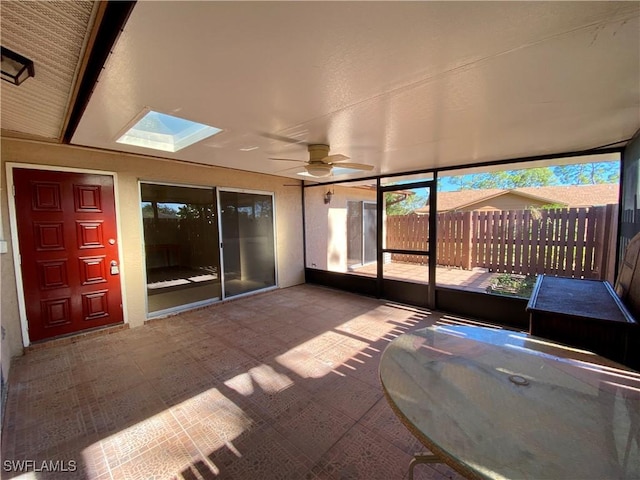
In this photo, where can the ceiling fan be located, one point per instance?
(320, 163)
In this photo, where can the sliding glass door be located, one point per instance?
(181, 246)
(361, 233)
(197, 252)
(247, 241)
(369, 229)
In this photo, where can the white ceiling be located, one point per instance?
(400, 85)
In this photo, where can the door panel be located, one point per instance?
(361, 233)
(369, 228)
(354, 233)
(181, 246)
(247, 241)
(68, 242)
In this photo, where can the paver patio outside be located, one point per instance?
(475, 280)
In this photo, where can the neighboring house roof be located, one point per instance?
(578, 195)
(572, 196)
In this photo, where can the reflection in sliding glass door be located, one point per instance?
(248, 246)
(181, 246)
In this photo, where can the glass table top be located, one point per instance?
(501, 404)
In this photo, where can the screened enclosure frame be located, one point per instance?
(382, 284)
(438, 296)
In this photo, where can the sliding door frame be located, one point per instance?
(220, 238)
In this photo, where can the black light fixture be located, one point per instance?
(327, 197)
(15, 68)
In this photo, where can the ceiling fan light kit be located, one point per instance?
(318, 169)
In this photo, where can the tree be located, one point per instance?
(190, 211)
(163, 210)
(577, 174)
(403, 203)
(588, 173)
(530, 177)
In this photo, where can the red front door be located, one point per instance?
(69, 251)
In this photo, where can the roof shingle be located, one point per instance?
(572, 195)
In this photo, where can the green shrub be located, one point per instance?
(511, 284)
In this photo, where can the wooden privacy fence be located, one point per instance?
(571, 242)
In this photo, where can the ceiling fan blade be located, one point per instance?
(292, 169)
(355, 166)
(335, 158)
(287, 160)
(281, 138)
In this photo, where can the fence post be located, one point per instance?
(610, 252)
(600, 260)
(466, 240)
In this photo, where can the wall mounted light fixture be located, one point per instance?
(327, 197)
(15, 68)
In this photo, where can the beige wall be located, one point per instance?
(130, 169)
(326, 225)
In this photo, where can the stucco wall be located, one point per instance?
(326, 225)
(130, 169)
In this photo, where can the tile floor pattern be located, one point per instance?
(281, 385)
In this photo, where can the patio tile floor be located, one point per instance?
(214, 394)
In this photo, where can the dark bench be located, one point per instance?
(591, 314)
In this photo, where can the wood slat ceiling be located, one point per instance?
(54, 36)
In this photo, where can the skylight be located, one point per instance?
(165, 132)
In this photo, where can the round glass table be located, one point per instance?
(499, 404)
